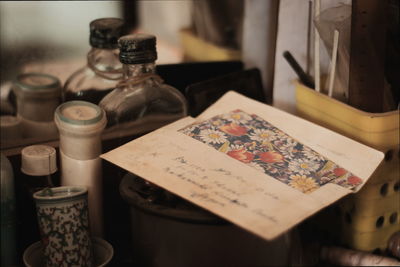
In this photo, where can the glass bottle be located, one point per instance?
(37, 95)
(103, 69)
(141, 102)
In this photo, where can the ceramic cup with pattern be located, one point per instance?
(62, 213)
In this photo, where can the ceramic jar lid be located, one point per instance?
(38, 85)
(60, 194)
(38, 160)
(80, 124)
(80, 117)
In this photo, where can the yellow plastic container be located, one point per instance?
(371, 216)
(197, 49)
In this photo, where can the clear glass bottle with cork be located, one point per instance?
(103, 70)
(141, 102)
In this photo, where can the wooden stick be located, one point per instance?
(333, 62)
(309, 31)
(317, 7)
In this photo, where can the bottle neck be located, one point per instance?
(136, 70)
(105, 62)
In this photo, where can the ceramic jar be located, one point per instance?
(62, 214)
(80, 125)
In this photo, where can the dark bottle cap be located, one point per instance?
(104, 32)
(137, 48)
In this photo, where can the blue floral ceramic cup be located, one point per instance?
(62, 213)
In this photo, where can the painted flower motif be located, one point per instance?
(303, 183)
(339, 172)
(270, 169)
(271, 157)
(188, 130)
(256, 166)
(259, 144)
(242, 155)
(287, 148)
(262, 135)
(237, 117)
(216, 123)
(354, 180)
(210, 136)
(312, 155)
(236, 147)
(233, 129)
(303, 166)
(324, 180)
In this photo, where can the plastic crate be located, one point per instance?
(369, 217)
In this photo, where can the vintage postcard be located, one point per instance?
(258, 167)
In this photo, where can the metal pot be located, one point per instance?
(190, 236)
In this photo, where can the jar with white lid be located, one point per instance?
(38, 164)
(80, 125)
(38, 95)
(38, 171)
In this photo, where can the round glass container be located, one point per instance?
(38, 95)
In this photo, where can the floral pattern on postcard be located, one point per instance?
(257, 143)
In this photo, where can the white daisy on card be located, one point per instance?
(262, 135)
(211, 136)
(303, 166)
(312, 155)
(237, 117)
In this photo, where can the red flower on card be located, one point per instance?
(242, 155)
(233, 129)
(271, 157)
(354, 180)
(339, 172)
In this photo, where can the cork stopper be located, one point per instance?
(104, 32)
(38, 160)
(137, 48)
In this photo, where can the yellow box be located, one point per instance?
(197, 49)
(368, 241)
(378, 130)
(371, 216)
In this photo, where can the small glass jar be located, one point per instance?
(38, 96)
(141, 102)
(103, 70)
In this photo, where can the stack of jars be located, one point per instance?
(117, 91)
